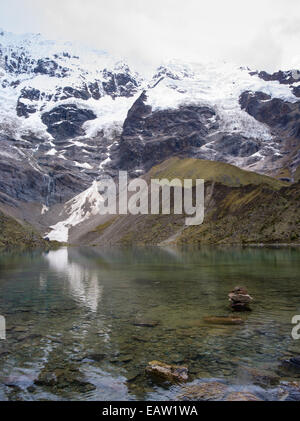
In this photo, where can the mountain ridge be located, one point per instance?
(70, 116)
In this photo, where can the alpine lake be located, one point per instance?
(83, 323)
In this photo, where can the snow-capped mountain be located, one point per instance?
(69, 115)
(60, 116)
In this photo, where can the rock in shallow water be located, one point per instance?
(261, 378)
(167, 372)
(64, 378)
(240, 299)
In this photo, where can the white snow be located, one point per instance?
(103, 163)
(217, 85)
(52, 151)
(80, 208)
(83, 165)
(44, 209)
(83, 66)
(110, 113)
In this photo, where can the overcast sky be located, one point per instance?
(264, 34)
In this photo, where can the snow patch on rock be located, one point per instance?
(79, 209)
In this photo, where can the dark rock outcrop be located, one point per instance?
(50, 67)
(296, 91)
(65, 121)
(94, 90)
(24, 109)
(119, 84)
(41, 179)
(69, 92)
(151, 136)
(275, 112)
(236, 145)
(288, 77)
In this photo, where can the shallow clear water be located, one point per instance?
(76, 309)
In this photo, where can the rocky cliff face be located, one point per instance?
(69, 116)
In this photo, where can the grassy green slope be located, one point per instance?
(241, 207)
(249, 215)
(13, 234)
(226, 174)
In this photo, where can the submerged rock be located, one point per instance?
(146, 323)
(223, 320)
(95, 357)
(241, 396)
(46, 379)
(295, 361)
(292, 364)
(170, 373)
(212, 391)
(62, 378)
(240, 299)
(260, 377)
(289, 391)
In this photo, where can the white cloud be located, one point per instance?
(260, 33)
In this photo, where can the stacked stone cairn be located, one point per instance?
(240, 299)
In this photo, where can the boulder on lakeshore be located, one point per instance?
(167, 372)
(240, 299)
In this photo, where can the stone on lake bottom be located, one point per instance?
(168, 372)
(241, 396)
(259, 377)
(223, 320)
(292, 364)
(212, 391)
(146, 323)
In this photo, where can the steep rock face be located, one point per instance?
(149, 137)
(284, 77)
(283, 117)
(274, 112)
(237, 146)
(296, 91)
(65, 121)
(43, 180)
(26, 102)
(119, 84)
